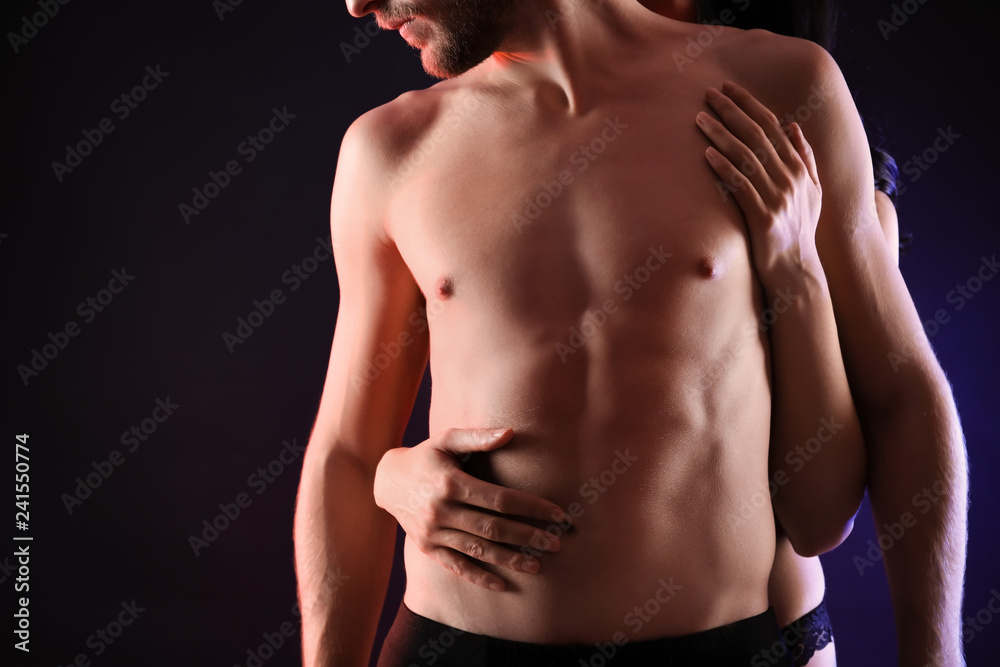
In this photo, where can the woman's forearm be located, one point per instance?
(817, 456)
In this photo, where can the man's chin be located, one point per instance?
(432, 67)
(442, 70)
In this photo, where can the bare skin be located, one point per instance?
(441, 507)
(523, 292)
(502, 299)
(521, 286)
(422, 488)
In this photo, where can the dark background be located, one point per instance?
(162, 335)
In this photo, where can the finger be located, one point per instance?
(486, 551)
(460, 441)
(746, 195)
(500, 529)
(512, 502)
(738, 154)
(804, 150)
(748, 131)
(761, 115)
(463, 568)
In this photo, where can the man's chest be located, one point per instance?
(571, 212)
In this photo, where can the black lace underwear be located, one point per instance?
(808, 634)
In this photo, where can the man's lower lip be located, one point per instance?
(404, 30)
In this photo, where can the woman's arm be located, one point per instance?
(817, 455)
(459, 520)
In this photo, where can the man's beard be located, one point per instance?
(456, 35)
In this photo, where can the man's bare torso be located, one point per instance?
(588, 286)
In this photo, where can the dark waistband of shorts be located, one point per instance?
(420, 641)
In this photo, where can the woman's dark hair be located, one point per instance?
(814, 20)
(886, 173)
(887, 181)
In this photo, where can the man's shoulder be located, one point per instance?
(373, 152)
(382, 131)
(782, 72)
(392, 131)
(779, 60)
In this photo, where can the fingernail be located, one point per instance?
(701, 118)
(496, 586)
(530, 565)
(499, 432)
(713, 94)
(728, 85)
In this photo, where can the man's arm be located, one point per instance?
(343, 541)
(916, 451)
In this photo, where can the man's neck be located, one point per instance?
(573, 44)
(679, 10)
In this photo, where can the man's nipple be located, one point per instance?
(709, 267)
(445, 287)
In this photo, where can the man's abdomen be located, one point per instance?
(617, 334)
(661, 461)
